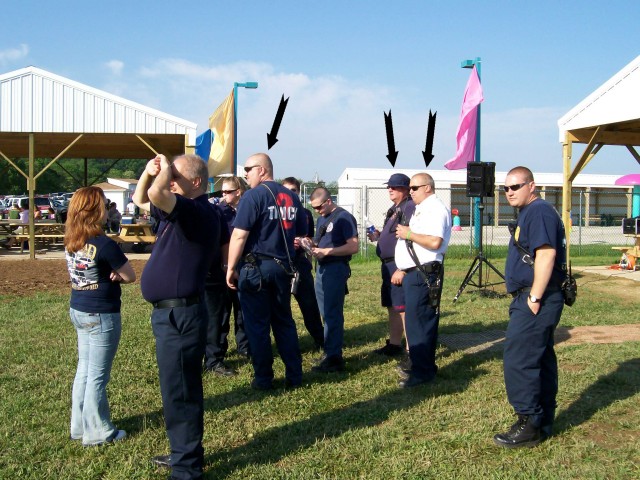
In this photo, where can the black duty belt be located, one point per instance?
(431, 267)
(177, 302)
(388, 259)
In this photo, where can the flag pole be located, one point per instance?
(235, 120)
(477, 226)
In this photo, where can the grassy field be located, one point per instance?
(355, 424)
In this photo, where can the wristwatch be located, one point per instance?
(534, 299)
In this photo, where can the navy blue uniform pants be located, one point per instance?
(331, 281)
(265, 296)
(421, 324)
(530, 364)
(180, 335)
(221, 302)
(306, 298)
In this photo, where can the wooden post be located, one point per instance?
(566, 190)
(32, 204)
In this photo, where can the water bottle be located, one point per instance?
(371, 228)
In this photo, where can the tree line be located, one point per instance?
(66, 175)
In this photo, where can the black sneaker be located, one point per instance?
(404, 363)
(329, 364)
(523, 433)
(221, 369)
(390, 350)
(162, 461)
(257, 386)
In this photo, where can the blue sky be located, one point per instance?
(342, 64)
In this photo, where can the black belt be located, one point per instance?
(177, 302)
(431, 267)
(517, 292)
(388, 259)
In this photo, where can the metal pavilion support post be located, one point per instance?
(235, 120)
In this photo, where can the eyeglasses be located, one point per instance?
(514, 188)
(319, 206)
(248, 169)
(227, 192)
(414, 188)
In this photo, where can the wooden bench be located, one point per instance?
(21, 238)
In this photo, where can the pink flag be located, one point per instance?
(466, 136)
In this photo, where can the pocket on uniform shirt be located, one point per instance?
(249, 278)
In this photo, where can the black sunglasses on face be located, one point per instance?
(225, 192)
(414, 188)
(248, 169)
(515, 187)
(319, 206)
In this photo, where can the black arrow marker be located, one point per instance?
(428, 149)
(271, 137)
(391, 144)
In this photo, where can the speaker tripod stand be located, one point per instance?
(476, 265)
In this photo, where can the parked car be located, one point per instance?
(41, 202)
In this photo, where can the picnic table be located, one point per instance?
(45, 231)
(135, 233)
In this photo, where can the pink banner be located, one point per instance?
(466, 136)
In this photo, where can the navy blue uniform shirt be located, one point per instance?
(396, 215)
(183, 250)
(216, 274)
(538, 224)
(340, 227)
(257, 214)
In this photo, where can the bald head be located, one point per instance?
(258, 168)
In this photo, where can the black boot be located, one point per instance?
(523, 433)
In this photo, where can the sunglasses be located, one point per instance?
(514, 188)
(248, 169)
(226, 192)
(414, 188)
(319, 206)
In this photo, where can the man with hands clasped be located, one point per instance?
(419, 257)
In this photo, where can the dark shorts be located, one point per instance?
(391, 295)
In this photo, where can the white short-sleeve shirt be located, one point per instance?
(431, 217)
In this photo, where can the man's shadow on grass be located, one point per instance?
(272, 445)
(622, 383)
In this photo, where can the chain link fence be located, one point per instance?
(596, 215)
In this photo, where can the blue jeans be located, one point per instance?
(98, 338)
(331, 281)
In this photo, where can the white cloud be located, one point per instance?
(333, 122)
(115, 66)
(12, 54)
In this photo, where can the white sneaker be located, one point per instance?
(120, 434)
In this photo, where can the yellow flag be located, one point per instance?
(221, 125)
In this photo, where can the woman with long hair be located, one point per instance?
(97, 267)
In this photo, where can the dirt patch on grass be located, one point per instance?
(23, 278)
(599, 334)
